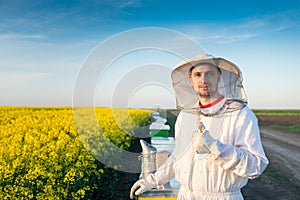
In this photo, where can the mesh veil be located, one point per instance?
(230, 85)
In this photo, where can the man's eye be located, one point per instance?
(198, 74)
(210, 74)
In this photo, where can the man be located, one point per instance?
(217, 139)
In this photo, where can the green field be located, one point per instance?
(275, 112)
(292, 128)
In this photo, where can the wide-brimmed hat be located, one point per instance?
(231, 85)
(206, 58)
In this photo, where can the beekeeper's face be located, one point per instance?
(204, 79)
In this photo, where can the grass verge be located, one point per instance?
(277, 112)
(292, 128)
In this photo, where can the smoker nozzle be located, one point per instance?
(147, 148)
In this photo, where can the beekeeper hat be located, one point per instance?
(230, 85)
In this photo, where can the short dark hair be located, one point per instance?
(193, 67)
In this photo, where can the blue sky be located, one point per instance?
(44, 44)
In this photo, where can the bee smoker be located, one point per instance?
(148, 159)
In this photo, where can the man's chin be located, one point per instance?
(204, 95)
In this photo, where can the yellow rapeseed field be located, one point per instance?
(45, 152)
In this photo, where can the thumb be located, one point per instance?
(140, 190)
(201, 127)
(134, 188)
(137, 189)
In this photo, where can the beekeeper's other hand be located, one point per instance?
(142, 186)
(202, 141)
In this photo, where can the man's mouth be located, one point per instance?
(203, 87)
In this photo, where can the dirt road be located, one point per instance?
(284, 149)
(281, 179)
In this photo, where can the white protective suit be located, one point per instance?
(237, 153)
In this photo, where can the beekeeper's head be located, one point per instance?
(206, 76)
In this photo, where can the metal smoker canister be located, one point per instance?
(148, 158)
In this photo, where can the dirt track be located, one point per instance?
(283, 149)
(281, 179)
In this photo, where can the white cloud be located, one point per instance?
(19, 53)
(222, 35)
(129, 3)
(116, 3)
(266, 23)
(250, 27)
(15, 36)
(234, 38)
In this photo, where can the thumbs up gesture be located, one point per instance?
(202, 140)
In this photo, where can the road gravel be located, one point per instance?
(281, 179)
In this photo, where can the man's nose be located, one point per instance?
(202, 79)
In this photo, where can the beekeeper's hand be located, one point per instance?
(202, 140)
(142, 186)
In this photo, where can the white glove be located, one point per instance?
(142, 186)
(202, 140)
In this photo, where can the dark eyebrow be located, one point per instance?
(196, 73)
(194, 66)
(211, 71)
